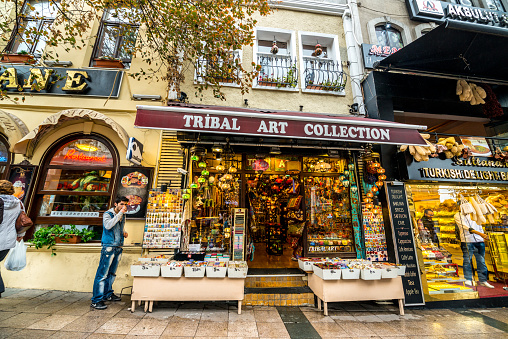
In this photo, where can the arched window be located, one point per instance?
(5, 156)
(388, 36)
(76, 182)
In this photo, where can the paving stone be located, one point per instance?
(242, 329)
(32, 334)
(22, 320)
(149, 327)
(272, 330)
(53, 322)
(209, 328)
(118, 326)
(181, 327)
(86, 324)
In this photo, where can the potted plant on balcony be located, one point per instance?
(49, 236)
(22, 57)
(108, 62)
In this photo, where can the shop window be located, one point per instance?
(117, 36)
(274, 52)
(30, 35)
(439, 238)
(76, 183)
(321, 66)
(388, 36)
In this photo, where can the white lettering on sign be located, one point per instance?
(196, 121)
(351, 132)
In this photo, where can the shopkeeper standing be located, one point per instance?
(112, 241)
(472, 242)
(429, 225)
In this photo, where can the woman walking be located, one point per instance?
(10, 207)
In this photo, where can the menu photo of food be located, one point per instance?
(135, 184)
(478, 146)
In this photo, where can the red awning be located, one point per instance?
(281, 124)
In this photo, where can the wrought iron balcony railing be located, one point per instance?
(324, 75)
(221, 68)
(277, 71)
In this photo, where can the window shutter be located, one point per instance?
(170, 159)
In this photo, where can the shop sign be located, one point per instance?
(429, 7)
(74, 155)
(61, 81)
(403, 241)
(475, 14)
(473, 169)
(135, 151)
(74, 214)
(327, 128)
(375, 53)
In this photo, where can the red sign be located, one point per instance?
(286, 125)
(382, 51)
(71, 155)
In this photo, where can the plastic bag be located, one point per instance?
(16, 259)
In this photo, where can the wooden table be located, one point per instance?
(150, 289)
(356, 290)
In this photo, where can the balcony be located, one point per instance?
(323, 75)
(220, 69)
(277, 71)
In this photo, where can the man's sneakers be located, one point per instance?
(99, 306)
(113, 297)
(468, 283)
(486, 284)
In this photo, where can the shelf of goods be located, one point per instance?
(275, 239)
(375, 239)
(499, 250)
(442, 277)
(169, 280)
(335, 280)
(163, 219)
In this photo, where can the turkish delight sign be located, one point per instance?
(403, 240)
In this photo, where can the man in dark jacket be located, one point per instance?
(112, 241)
(429, 225)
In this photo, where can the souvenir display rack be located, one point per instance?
(374, 230)
(163, 219)
(275, 239)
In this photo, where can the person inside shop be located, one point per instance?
(472, 242)
(429, 225)
(113, 236)
(10, 208)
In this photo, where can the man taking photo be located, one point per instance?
(112, 241)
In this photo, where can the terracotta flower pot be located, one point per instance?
(313, 87)
(18, 58)
(267, 84)
(72, 239)
(106, 63)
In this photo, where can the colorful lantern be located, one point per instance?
(186, 196)
(193, 185)
(194, 158)
(381, 170)
(202, 164)
(232, 169)
(205, 172)
(201, 180)
(219, 167)
(374, 189)
(382, 177)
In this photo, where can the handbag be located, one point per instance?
(23, 222)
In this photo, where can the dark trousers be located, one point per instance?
(3, 254)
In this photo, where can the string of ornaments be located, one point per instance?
(374, 177)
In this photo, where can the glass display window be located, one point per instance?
(76, 183)
(436, 212)
(5, 156)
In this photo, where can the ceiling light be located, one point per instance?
(275, 150)
(217, 148)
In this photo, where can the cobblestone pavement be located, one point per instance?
(57, 314)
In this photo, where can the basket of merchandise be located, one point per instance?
(307, 264)
(216, 269)
(371, 272)
(327, 271)
(172, 269)
(217, 257)
(194, 269)
(141, 269)
(389, 272)
(350, 273)
(160, 259)
(237, 269)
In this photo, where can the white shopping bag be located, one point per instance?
(16, 259)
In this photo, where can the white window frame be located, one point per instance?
(222, 84)
(331, 41)
(282, 35)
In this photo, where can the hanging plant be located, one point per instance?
(318, 50)
(492, 107)
(274, 49)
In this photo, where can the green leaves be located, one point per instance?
(45, 236)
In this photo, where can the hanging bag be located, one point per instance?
(16, 259)
(465, 206)
(481, 204)
(23, 222)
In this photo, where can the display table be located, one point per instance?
(150, 289)
(355, 290)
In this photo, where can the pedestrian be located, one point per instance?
(430, 226)
(10, 207)
(113, 235)
(472, 243)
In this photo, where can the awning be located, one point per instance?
(279, 124)
(456, 49)
(12, 127)
(28, 143)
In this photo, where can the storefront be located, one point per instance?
(443, 186)
(306, 183)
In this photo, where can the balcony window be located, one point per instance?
(117, 36)
(35, 21)
(220, 68)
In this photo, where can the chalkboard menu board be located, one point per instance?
(403, 240)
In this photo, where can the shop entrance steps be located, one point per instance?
(277, 287)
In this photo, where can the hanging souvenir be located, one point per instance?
(274, 49)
